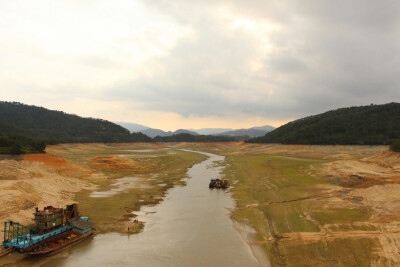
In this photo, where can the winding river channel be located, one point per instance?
(191, 227)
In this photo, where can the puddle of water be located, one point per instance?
(122, 185)
(191, 227)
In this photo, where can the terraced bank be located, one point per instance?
(315, 206)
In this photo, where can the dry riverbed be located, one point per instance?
(309, 205)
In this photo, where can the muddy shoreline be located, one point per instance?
(248, 235)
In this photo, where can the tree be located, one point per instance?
(16, 149)
(395, 146)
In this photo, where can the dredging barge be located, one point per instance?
(53, 230)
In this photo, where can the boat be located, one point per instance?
(218, 183)
(54, 229)
(56, 244)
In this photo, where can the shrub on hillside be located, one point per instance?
(395, 146)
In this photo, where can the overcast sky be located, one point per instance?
(173, 64)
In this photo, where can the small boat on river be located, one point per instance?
(53, 230)
(218, 183)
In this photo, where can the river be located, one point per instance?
(191, 227)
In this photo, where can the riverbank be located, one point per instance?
(190, 227)
(318, 205)
(71, 173)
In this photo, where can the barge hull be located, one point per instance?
(57, 244)
(4, 252)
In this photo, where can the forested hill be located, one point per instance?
(53, 127)
(365, 125)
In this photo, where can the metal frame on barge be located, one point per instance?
(53, 230)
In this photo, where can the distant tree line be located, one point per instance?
(366, 125)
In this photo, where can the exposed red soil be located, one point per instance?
(46, 159)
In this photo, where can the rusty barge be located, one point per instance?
(53, 230)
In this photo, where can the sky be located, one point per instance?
(196, 64)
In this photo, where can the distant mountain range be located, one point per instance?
(250, 132)
(212, 131)
(156, 132)
(132, 127)
(246, 133)
(151, 132)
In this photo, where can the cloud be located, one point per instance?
(316, 56)
(275, 60)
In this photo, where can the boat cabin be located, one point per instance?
(51, 217)
(82, 226)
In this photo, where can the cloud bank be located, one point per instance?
(225, 63)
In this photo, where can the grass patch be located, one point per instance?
(337, 215)
(288, 218)
(262, 179)
(337, 252)
(283, 200)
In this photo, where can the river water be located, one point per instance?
(191, 227)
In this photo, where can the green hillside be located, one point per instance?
(20, 121)
(365, 125)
